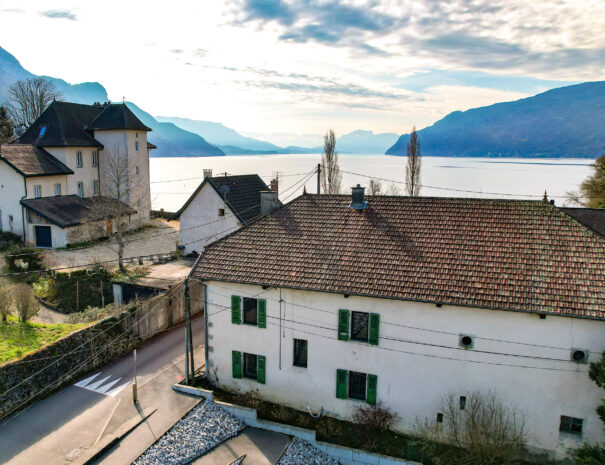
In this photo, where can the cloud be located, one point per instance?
(59, 14)
(268, 10)
(176, 50)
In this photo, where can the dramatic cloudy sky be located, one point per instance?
(275, 67)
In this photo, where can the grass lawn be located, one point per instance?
(17, 339)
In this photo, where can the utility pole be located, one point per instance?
(134, 385)
(318, 177)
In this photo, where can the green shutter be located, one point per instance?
(343, 324)
(372, 383)
(261, 319)
(236, 359)
(374, 324)
(260, 369)
(236, 309)
(341, 383)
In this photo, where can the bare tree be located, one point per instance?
(592, 190)
(111, 209)
(414, 164)
(5, 301)
(28, 99)
(483, 429)
(331, 178)
(392, 189)
(25, 302)
(375, 187)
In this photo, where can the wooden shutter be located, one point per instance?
(236, 359)
(236, 309)
(261, 307)
(341, 383)
(260, 369)
(343, 324)
(372, 383)
(373, 333)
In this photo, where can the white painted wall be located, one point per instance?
(203, 210)
(12, 190)
(412, 384)
(47, 184)
(86, 174)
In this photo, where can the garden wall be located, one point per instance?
(65, 360)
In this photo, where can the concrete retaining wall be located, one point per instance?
(345, 455)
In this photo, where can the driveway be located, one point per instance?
(159, 239)
(68, 425)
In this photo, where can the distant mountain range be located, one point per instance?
(171, 140)
(564, 122)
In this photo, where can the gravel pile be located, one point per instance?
(203, 428)
(300, 452)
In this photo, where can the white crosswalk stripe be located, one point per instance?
(102, 384)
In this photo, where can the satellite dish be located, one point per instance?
(224, 190)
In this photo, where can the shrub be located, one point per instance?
(485, 432)
(8, 239)
(92, 314)
(44, 288)
(25, 302)
(24, 259)
(590, 455)
(374, 420)
(5, 301)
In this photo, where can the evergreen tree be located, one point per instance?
(6, 127)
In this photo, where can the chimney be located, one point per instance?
(207, 174)
(358, 198)
(268, 202)
(275, 185)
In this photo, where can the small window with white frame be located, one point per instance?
(81, 189)
(95, 158)
(79, 163)
(57, 190)
(37, 191)
(95, 187)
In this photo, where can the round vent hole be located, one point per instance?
(467, 340)
(579, 355)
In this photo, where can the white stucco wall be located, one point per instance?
(124, 144)
(47, 184)
(12, 190)
(200, 222)
(414, 376)
(87, 174)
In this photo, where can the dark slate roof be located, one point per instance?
(117, 116)
(30, 160)
(66, 210)
(66, 126)
(593, 218)
(243, 197)
(501, 254)
(72, 124)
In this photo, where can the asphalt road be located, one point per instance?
(65, 426)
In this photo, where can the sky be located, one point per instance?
(287, 70)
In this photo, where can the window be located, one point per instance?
(462, 402)
(57, 189)
(79, 159)
(95, 187)
(356, 385)
(136, 134)
(81, 189)
(440, 418)
(300, 353)
(359, 326)
(95, 158)
(253, 366)
(10, 222)
(139, 203)
(363, 326)
(138, 171)
(136, 145)
(37, 191)
(221, 212)
(42, 131)
(255, 311)
(571, 425)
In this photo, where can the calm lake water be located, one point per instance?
(174, 179)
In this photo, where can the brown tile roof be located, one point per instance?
(30, 160)
(501, 254)
(69, 210)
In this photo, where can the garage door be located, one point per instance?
(43, 236)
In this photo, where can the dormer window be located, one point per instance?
(42, 131)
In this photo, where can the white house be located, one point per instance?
(329, 303)
(221, 205)
(51, 174)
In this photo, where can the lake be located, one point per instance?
(174, 179)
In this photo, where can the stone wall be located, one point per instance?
(56, 365)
